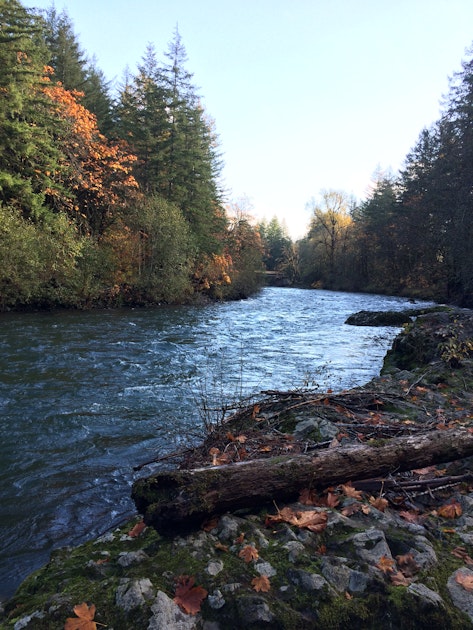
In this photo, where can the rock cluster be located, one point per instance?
(374, 565)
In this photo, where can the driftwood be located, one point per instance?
(182, 499)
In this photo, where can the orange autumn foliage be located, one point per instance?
(187, 596)
(84, 620)
(97, 172)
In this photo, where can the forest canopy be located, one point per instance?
(109, 199)
(112, 198)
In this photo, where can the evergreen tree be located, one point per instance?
(159, 114)
(66, 56)
(276, 243)
(28, 156)
(97, 98)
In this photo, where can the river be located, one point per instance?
(86, 396)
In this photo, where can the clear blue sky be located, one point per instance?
(306, 94)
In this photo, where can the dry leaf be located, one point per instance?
(249, 553)
(332, 500)
(348, 595)
(308, 497)
(137, 529)
(221, 547)
(385, 564)
(407, 564)
(410, 517)
(365, 509)
(214, 452)
(240, 539)
(351, 508)
(210, 524)
(241, 438)
(379, 503)
(83, 621)
(261, 584)
(465, 580)
(450, 510)
(313, 520)
(255, 411)
(349, 491)
(187, 596)
(461, 552)
(399, 579)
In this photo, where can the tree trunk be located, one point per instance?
(182, 499)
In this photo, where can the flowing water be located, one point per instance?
(86, 396)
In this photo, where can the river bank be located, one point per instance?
(392, 553)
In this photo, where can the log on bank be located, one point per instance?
(183, 499)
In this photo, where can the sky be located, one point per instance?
(307, 95)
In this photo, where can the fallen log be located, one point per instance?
(183, 499)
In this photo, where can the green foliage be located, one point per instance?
(38, 261)
(165, 251)
(243, 245)
(28, 155)
(275, 241)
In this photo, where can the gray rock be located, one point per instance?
(322, 428)
(342, 577)
(167, 615)
(228, 527)
(371, 545)
(133, 593)
(264, 568)
(214, 567)
(295, 549)
(308, 581)
(216, 600)
(427, 596)
(24, 622)
(127, 558)
(232, 588)
(461, 598)
(423, 552)
(254, 609)
(105, 538)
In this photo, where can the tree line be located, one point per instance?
(413, 234)
(109, 200)
(116, 199)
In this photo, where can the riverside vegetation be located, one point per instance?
(390, 552)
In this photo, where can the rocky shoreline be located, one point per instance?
(393, 552)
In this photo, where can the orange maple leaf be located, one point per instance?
(137, 529)
(84, 619)
(248, 553)
(379, 503)
(313, 520)
(261, 583)
(349, 491)
(187, 596)
(450, 510)
(465, 580)
(385, 564)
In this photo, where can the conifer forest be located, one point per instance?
(114, 197)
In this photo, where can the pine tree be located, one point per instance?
(28, 156)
